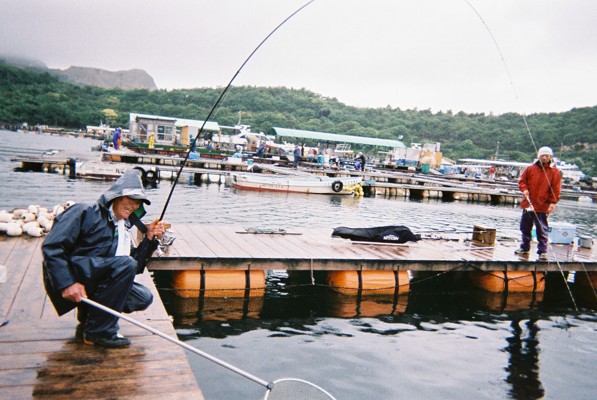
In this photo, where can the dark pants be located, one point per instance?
(116, 290)
(528, 219)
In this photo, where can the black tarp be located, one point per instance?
(391, 234)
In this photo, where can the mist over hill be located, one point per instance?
(126, 80)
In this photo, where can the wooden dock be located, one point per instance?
(228, 247)
(40, 358)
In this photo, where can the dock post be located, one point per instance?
(72, 168)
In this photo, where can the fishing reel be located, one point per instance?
(165, 242)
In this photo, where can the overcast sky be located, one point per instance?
(424, 54)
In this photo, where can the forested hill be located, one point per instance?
(40, 98)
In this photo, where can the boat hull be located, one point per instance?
(296, 184)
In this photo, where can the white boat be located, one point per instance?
(112, 171)
(295, 184)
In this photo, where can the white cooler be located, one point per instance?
(561, 232)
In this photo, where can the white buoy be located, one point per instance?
(14, 229)
(18, 213)
(57, 210)
(47, 215)
(48, 227)
(44, 222)
(5, 217)
(30, 224)
(28, 217)
(3, 226)
(35, 231)
(33, 209)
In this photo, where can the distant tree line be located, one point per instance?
(35, 97)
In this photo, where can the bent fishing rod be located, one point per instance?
(219, 99)
(285, 388)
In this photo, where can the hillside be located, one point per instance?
(36, 97)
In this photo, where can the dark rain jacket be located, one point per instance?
(84, 235)
(544, 186)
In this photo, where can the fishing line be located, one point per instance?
(528, 129)
(503, 59)
(183, 163)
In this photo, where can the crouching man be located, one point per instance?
(90, 252)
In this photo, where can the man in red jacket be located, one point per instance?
(540, 184)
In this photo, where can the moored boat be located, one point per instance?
(296, 184)
(112, 171)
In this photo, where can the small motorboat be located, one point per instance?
(296, 184)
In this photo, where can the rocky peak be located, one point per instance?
(131, 79)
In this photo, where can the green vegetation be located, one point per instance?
(40, 98)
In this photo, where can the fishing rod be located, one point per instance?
(291, 388)
(183, 164)
(286, 388)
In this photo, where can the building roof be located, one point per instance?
(333, 137)
(209, 125)
(179, 122)
(134, 116)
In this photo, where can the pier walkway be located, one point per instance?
(228, 247)
(40, 358)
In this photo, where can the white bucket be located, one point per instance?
(585, 242)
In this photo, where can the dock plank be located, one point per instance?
(210, 237)
(29, 300)
(263, 243)
(243, 240)
(16, 267)
(40, 358)
(218, 245)
(196, 247)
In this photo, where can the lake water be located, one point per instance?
(441, 341)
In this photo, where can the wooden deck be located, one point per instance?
(228, 247)
(40, 358)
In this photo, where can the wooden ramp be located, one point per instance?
(40, 358)
(228, 247)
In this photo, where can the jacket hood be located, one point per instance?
(129, 185)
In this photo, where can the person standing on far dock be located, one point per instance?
(540, 185)
(297, 155)
(363, 160)
(116, 137)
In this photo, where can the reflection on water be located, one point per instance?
(293, 308)
(523, 362)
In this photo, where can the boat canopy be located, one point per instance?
(333, 137)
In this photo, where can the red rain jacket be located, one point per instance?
(543, 184)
